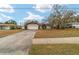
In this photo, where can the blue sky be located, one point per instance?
(23, 12)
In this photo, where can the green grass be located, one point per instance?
(55, 49)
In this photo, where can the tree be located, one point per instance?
(11, 22)
(44, 23)
(60, 16)
(77, 18)
(55, 16)
(68, 16)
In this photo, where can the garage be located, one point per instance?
(32, 26)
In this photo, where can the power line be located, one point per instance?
(37, 8)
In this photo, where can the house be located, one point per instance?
(32, 25)
(73, 25)
(35, 25)
(7, 26)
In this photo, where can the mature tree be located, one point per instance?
(77, 18)
(60, 16)
(69, 16)
(10, 22)
(44, 23)
(55, 16)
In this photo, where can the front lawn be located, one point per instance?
(54, 33)
(55, 49)
(4, 33)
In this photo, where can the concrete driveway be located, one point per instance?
(19, 43)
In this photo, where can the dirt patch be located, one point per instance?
(4, 33)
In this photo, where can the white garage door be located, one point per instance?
(32, 26)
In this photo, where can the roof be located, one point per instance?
(37, 23)
(74, 23)
(7, 25)
(32, 22)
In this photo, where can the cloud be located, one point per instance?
(4, 17)
(1, 20)
(43, 7)
(32, 16)
(6, 8)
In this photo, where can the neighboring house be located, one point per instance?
(73, 25)
(7, 26)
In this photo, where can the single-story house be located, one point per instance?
(73, 25)
(36, 25)
(7, 26)
(31, 25)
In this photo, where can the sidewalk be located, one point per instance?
(67, 40)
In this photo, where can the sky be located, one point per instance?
(23, 12)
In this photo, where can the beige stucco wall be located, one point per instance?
(32, 26)
(5, 28)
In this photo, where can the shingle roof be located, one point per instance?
(7, 25)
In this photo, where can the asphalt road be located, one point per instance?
(17, 44)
